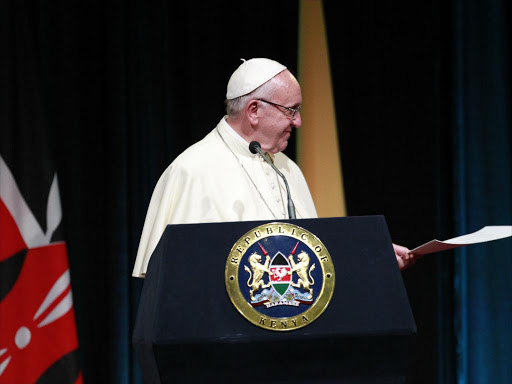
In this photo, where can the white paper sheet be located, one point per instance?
(485, 234)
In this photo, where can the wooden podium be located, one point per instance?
(187, 329)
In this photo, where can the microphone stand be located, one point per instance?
(255, 147)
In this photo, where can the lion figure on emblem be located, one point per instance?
(258, 271)
(301, 268)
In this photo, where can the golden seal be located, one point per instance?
(280, 276)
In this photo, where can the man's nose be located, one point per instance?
(297, 120)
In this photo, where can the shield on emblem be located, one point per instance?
(281, 276)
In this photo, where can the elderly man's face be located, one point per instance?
(276, 123)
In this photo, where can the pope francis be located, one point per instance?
(220, 179)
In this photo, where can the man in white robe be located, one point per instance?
(218, 179)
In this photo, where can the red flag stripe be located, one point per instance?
(12, 241)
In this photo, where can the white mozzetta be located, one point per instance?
(216, 180)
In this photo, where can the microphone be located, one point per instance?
(255, 147)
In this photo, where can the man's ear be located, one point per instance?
(252, 110)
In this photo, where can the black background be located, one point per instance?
(125, 86)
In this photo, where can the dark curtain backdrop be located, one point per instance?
(482, 192)
(128, 85)
(388, 75)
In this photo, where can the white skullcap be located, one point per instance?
(250, 75)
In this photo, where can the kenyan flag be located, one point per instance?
(38, 338)
(281, 276)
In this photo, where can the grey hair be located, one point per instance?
(234, 107)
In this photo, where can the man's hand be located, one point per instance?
(403, 259)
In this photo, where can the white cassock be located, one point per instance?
(218, 179)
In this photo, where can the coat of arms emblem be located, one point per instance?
(280, 276)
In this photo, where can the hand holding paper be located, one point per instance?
(488, 233)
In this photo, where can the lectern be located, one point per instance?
(188, 330)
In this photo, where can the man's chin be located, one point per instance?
(281, 146)
(278, 147)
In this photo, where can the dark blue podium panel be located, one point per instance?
(188, 329)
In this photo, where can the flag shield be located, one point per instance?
(280, 277)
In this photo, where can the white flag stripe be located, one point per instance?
(4, 364)
(29, 227)
(2, 351)
(60, 310)
(60, 286)
(53, 210)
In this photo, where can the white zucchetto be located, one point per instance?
(250, 75)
